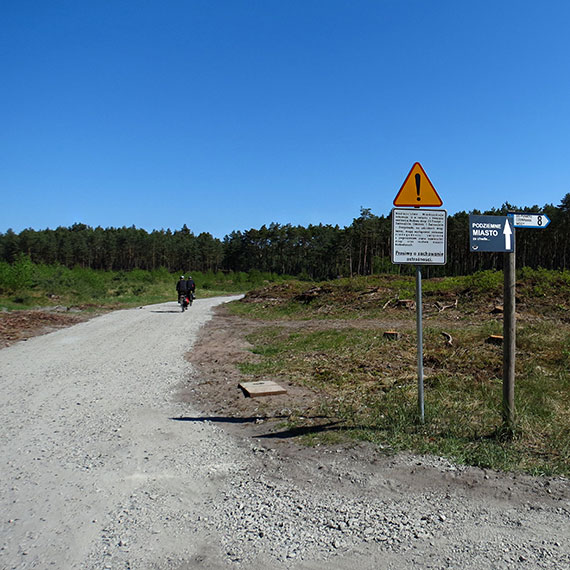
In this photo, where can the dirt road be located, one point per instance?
(103, 466)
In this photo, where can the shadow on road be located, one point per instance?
(285, 434)
(222, 419)
(298, 431)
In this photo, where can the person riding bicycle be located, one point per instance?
(190, 286)
(182, 286)
(186, 287)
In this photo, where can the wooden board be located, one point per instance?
(262, 388)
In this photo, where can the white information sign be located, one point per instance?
(537, 221)
(419, 237)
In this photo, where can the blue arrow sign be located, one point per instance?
(491, 233)
(537, 221)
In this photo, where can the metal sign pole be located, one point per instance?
(419, 326)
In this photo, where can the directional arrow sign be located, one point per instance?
(507, 232)
(538, 221)
(490, 233)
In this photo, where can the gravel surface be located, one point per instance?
(103, 466)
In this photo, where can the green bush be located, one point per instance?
(18, 276)
(487, 281)
(542, 282)
(5, 270)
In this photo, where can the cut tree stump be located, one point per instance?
(392, 335)
(262, 388)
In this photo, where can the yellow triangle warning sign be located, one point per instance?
(417, 190)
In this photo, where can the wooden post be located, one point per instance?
(509, 343)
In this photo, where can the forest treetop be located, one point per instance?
(313, 252)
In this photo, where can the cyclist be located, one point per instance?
(190, 287)
(182, 287)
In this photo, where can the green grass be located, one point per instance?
(369, 383)
(25, 285)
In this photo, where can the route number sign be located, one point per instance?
(537, 221)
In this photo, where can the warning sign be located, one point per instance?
(417, 190)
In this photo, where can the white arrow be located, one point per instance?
(507, 232)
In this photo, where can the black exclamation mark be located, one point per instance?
(418, 180)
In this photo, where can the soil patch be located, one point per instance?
(223, 345)
(22, 325)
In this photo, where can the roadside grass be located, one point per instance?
(360, 297)
(540, 292)
(25, 285)
(368, 383)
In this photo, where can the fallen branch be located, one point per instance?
(395, 299)
(449, 338)
(441, 308)
(370, 291)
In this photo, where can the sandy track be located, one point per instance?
(87, 428)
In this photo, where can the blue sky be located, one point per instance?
(227, 115)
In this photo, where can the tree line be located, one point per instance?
(313, 252)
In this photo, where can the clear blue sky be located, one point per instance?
(229, 114)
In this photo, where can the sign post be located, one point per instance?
(497, 233)
(494, 233)
(509, 342)
(420, 337)
(419, 237)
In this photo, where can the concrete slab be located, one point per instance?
(262, 388)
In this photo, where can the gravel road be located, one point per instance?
(104, 466)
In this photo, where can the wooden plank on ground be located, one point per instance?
(262, 388)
